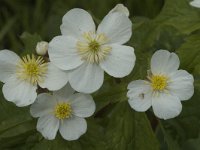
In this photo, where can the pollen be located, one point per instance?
(31, 69)
(92, 47)
(158, 82)
(63, 110)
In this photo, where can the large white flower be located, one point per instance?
(88, 52)
(22, 76)
(63, 111)
(165, 88)
(195, 3)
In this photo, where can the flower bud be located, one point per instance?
(42, 47)
(121, 9)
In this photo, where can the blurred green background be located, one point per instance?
(157, 24)
(44, 16)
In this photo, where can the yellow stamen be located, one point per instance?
(63, 110)
(92, 48)
(159, 82)
(31, 69)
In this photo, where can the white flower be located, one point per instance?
(88, 53)
(42, 47)
(195, 3)
(22, 75)
(120, 8)
(165, 88)
(63, 111)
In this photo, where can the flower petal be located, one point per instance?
(73, 128)
(137, 87)
(166, 106)
(121, 9)
(8, 61)
(55, 78)
(164, 62)
(63, 53)
(64, 93)
(87, 78)
(43, 105)
(20, 92)
(181, 84)
(139, 95)
(120, 61)
(195, 3)
(82, 105)
(117, 27)
(75, 22)
(48, 126)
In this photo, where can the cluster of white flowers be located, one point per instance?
(78, 59)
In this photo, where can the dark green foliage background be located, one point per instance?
(157, 24)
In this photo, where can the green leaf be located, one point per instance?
(150, 36)
(16, 124)
(180, 15)
(128, 130)
(110, 92)
(178, 130)
(15, 129)
(189, 52)
(92, 140)
(192, 144)
(166, 140)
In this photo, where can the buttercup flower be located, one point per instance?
(63, 111)
(195, 3)
(165, 88)
(88, 52)
(22, 76)
(42, 47)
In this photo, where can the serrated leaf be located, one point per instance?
(129, 130)
(189, 52)
(180, 15)
(184, 127)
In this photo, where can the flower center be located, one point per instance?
(158, 82)
(92, 47)
(31, 69)
(63, 110)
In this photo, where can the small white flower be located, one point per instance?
(88, 52)
(120, 8)
(165, 88)
(22, 76)
(63, 111)
(195, 3)
(42, 48)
